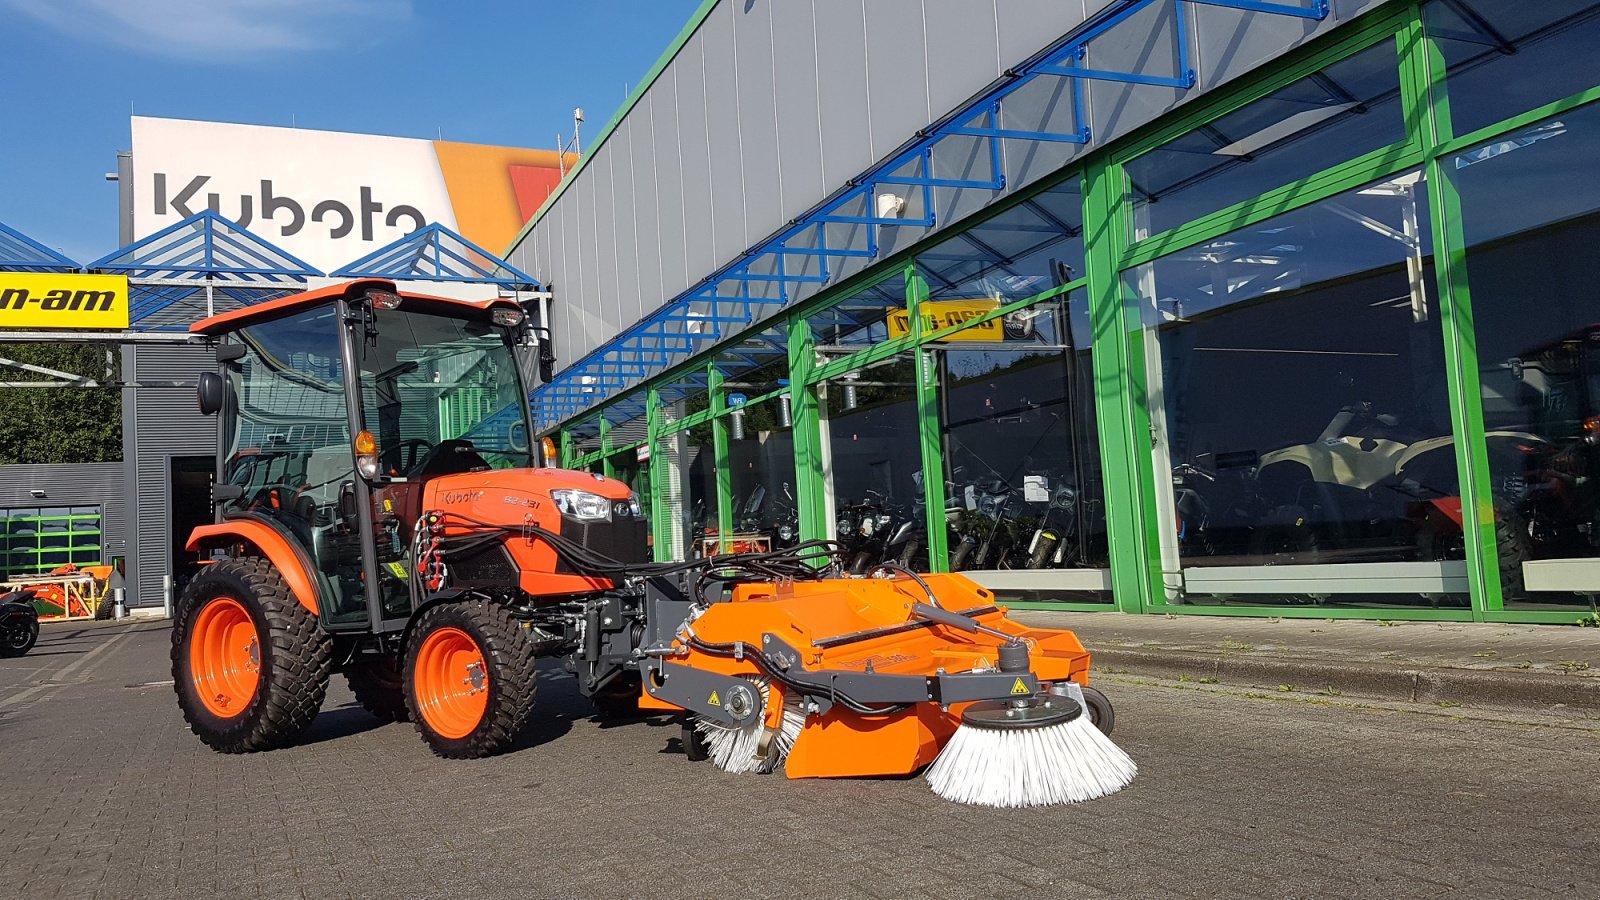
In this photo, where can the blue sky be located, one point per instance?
(484, 71)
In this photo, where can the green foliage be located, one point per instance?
(59, 425)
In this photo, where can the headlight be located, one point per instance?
(867, 526)
(582, 505)
(785, 533)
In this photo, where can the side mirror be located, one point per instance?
(210, 391)
(347, 502)
(547, 355)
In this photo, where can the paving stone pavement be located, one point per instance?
(108, 795)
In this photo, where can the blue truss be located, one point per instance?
(688, 323)
(435, 253)
(206, 245)
(203, 264)
(20, 253)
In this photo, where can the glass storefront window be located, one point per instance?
(755, 366)
(761, 475)
(1028, 249)
(1298, 401)
(1344, 111)
(873, 460)
(1504, 57)
(632, 467)
(691, 491)
(872, 315)
(1022, 462)
(1530, 209)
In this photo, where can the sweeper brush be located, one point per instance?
(853, 677)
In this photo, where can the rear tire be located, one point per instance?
(379, 688)
(18, 640)
(961, 555)
(249, 663)
(469, 678)
(620, 700)
(1513, 547)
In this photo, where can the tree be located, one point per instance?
(65, 424)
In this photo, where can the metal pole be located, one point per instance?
(166, 595)
(119, 603)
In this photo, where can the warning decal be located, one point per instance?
(1019, 687)
(714, 700)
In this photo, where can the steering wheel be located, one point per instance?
(405, 456)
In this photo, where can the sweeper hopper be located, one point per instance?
(382, 513)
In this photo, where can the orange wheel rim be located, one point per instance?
(225, 657)
(452, 682)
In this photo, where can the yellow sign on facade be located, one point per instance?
(940, 314)
(33, 300)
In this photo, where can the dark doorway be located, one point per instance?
(191, 507)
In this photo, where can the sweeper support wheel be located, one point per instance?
(469, 678)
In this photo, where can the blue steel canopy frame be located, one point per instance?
(759, 283)
(20, 253)
(206, 261)
(435, 253)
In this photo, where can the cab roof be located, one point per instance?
(235, 319)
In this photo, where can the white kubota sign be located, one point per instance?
(331, 197)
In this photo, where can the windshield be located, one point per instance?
(428, 379)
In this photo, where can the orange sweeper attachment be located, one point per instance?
(431, 560)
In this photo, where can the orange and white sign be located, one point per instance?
(331, 197)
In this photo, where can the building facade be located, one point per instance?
(1180, 306)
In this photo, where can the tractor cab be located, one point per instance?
(338, 408)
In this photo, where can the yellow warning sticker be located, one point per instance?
(388, 505)
(714, 700)
(398, 570)
(1020, 687)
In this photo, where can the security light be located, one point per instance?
(37, 494)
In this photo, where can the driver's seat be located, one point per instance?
(452, 457)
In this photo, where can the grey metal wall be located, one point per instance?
(772, 105)
(158, 424)
(78, 484)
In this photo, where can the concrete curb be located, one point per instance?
(1372, 681)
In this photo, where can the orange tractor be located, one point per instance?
(382, 512)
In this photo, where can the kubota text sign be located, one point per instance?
(32, 300)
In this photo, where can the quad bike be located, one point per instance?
(1364, 491)
(19, 623)
(430, 559)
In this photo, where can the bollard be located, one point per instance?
(166, 595)
(119, 603)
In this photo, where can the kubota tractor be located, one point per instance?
(383, 512)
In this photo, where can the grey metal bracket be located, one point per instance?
(868, 686)
(725, 698)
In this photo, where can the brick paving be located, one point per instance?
(1239, 794)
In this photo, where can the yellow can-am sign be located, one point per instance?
(938, 315)
(29, 300)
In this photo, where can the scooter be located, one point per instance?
(19, 623)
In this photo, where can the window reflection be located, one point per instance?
(1530, 206)
(1504, 57)
(1348, 109)
(761, 474)
(874, 463)
(1299, 385)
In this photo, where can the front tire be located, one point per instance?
(249, 663)
(1101, 715)
(469, 678)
